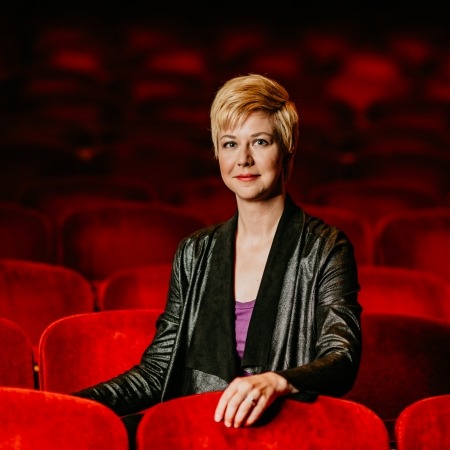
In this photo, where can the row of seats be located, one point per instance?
(34, 294)
(104, 236)
(405, 357)
(40, 419)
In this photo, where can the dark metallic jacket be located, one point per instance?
(305, 323)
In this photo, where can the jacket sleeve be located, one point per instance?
(141, 386)
(338, 341)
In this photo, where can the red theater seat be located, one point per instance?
(404, 359)
(399, 290)
(81, 350)
(327, 423)
(97, 242)
(135, 288)
(33, 295)
(424, 424)
(16, 352)
(33, 419)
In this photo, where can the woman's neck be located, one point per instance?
(258, 221)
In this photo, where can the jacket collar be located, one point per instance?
(213, 345)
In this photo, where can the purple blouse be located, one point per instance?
(243, 315)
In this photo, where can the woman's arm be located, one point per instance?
(141, 386)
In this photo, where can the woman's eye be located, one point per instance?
(260, 142)
(230, 144)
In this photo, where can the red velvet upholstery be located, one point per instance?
(25, 234)
(399, 290)
(135, 288)
(417, 239)
(327, 424)
(78, 351)
(33, 295)
(373, 198)
(33, 419)
(98, 242)
(16, 353)
(404, 359)
(357, 228)
(424, 425)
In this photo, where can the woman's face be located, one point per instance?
(250, 160)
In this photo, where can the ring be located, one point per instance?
(251, 399)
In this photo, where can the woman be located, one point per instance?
(262, 305)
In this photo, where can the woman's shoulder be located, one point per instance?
(203, 236)
(321, 228)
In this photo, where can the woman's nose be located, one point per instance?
(245, 158)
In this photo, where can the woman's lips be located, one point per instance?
(247, 177)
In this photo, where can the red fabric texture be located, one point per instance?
(327, 423)
(404, 359)
(16, 353)
(34, 294)
(79, 351)
(136, 288)
(399, 290)
(98, 242)
(417, 239)
(424, 425)
(33, 419)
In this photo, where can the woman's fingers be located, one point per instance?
(238, 406)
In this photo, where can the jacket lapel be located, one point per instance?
(259, 336)
(213, 345)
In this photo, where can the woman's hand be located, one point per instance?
(246, 398)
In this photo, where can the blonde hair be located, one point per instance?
(245, 94)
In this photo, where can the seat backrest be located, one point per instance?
(81, 350)
(417, 239)
(404, 359)
(34, 419)
(34, 294)
(16, 353)
(25, 234)
(98, 242)
(424, 424)
(400, 290)
(326, 423)
(135, 288)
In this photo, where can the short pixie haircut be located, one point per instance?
(245, 94)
